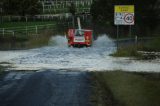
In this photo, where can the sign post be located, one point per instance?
(123, 15)
(117, 36)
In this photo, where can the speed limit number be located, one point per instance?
(129, 18)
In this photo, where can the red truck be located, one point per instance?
(79, 37)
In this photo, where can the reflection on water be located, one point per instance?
(13, 45)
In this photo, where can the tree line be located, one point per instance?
(147, 13)
(20, 7)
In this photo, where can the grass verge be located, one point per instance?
(40, 40)
(126, 88)
(132, 50)
(101, 93)
(129, 51)
(1, 70)
(26, 42)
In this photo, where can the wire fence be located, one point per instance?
(25, 30)
(47, 17)
(55, 7)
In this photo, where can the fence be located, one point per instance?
(61, 6)
(25, 30)
(47, 17)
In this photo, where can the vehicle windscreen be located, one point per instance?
(79, 33)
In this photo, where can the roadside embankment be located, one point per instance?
(138, 50)
(119, 88)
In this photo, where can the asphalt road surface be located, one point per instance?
(45, 88)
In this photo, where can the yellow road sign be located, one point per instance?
(124, 8)
(124, 15)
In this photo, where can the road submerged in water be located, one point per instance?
(62, 77)
(45, 88)
(58, 56)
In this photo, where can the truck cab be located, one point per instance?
(79, 37)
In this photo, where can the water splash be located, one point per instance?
(58, 41)
(103, 41)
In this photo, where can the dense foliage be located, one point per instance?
(147, 12)
(21, 7)
(72, 9)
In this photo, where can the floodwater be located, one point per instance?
(57, 55)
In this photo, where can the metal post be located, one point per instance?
(130, 31)
(117, 36)
(136, 40)
(26, 18)
(79, 23)
(13, 33)
(3, 32)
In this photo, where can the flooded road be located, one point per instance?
(45, 88)
(58, 56)
(61, 77)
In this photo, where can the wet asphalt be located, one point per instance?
(45, 88)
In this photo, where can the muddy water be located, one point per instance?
(58, 56)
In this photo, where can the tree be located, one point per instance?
(1, 11)
(21, 7)
(72, 8)
(30, 7)
(146, 12)
(11, 7)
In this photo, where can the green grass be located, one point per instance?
(132, 50)
(23, 24)
(154, 45)
(101, 93)
(1, 70)
(130, 89)
(40, 40)
(129, 51)
(34, 39)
